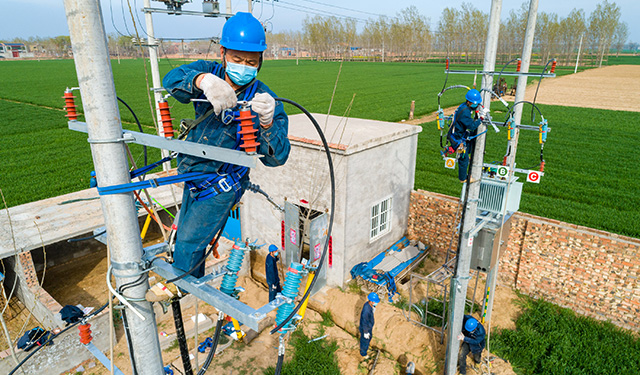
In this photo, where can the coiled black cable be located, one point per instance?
(331, 216)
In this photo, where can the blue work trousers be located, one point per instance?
(273, 290)
(462, 357)
(198, 223)
(364, 344)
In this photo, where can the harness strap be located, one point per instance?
(151, 183)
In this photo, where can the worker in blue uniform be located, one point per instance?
(367, 321)
(206, 203)
(271, 272)
(466, 120)
(473, 340)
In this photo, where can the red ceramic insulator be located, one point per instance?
(165, 118)
(542, 166)
(85, 333)
(248, 132)
(553, 66)
(282, 234)
(447, 64)
(504, 161)
(519, 65)
(70, 106)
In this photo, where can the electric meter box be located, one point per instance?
(484, 252)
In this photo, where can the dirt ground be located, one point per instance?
(613, 87)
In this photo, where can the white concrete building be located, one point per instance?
(374, 165)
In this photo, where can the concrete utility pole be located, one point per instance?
(513, 144)
(578, 57)
(460, 281)
(522, 80)
(93, 67)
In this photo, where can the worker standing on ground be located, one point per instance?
(466, 120)
(271, 272)
(206, 203)
(473, 340)
(366, 322)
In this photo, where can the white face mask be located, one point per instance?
(241, 74)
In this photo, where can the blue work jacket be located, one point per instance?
(475, 339)
(271, 270)
(366, 318)
(274, 144)
(464, 125)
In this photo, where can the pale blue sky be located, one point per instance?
(46, 18)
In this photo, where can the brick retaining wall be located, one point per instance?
(592, 272)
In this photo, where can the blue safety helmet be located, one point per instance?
(474, 97)
(471, 324)
(243, 32)
(273, 248)
(373, 297)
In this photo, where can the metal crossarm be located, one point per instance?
(493, 73)
(229, 305)
(184, 147)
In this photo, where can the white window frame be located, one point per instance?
(377, 228)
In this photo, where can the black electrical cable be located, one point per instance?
(213, 245)
(144, 148)
(214, 346)
(331, 217)
(279, 364)
(127, 333)
(181, 337)
(51, 337)
(87, 238)
(538, 86)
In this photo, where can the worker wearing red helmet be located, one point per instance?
(466, 120)
(206, 203)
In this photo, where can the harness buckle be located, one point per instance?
(226, 116)
(224, 185)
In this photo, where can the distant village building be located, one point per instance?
(14, 50)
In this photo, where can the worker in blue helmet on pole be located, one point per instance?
(473, 340)
(206, 203)
(466, 120)
(367, 321)
(271, 272)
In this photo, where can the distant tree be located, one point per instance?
(547, 35)
(474, 25)
(572, 29)
(512, 32)
(603, 23)
(375, 34)
(449, 33)
(621, 36)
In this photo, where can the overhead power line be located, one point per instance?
(320, 12)
(339, 7)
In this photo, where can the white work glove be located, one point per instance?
(483, 113)
(218, 92)
(367, 336)
(460, 337)
(264, 104)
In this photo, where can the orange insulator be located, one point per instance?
(165, 118)
(504, 161)
(519, 65)
(70, 105)
(247, 131)
(542, 166)
(553, 66)
(447, 67)
(85, 333)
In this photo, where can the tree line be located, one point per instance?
(459, 34)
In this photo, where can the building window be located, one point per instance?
(380, 219)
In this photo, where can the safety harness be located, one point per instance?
(201, 185)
